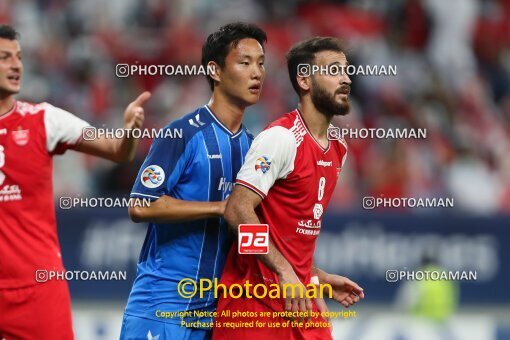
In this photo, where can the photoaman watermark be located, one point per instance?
(188, 288)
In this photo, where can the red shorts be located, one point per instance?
(257, 333)
(41, 311)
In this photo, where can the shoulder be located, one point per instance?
(188, 125)
(276, 142)
(285, 121)
(290, 122)
(277, 133)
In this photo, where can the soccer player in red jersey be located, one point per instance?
(287, 180)
(30, 134)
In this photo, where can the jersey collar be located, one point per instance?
(11, 110)
(309, 133)
(220, 124)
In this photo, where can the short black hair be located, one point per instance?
(218, 44)
(8, 32)
(304, 53)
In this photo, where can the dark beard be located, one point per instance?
(326, 103)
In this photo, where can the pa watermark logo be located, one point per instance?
(253, 239)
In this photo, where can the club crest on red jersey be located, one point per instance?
(262, 164)
(21, 137)
(317, 211)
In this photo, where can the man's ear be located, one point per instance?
(214, 71)
(304, 82)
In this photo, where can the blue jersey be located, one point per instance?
(196, 159)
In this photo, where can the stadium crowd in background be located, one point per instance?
(450, 80)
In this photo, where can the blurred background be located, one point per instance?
(453, 79)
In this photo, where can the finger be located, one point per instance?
(302, 309)
(139, 115)
(138, 124)
(288, 303)
(349, 300)
(295, 307)
(142, 98)
(136, 120)
(324, 313)
(309, 308)
(355, 287)
(339, 296)
(354, 297)
(345, 304)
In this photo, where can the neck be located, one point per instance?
(6, 103)
(316, 122)
(228, 113)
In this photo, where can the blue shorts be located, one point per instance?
(136, 328)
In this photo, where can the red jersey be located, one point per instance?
(29, 136)
(296, 177)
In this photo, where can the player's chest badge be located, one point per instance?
(21, 137)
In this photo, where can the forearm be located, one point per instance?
(167, 209)
(116, 150)
(242, 213)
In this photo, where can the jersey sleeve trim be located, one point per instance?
(251, 187)
(136, 194)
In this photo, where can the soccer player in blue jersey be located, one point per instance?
(189, 180)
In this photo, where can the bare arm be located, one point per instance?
(167, 209)
(241, 210)
(123, 149)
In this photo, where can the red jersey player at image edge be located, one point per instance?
(30, 135)
(287, 181)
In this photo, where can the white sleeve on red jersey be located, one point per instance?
(63, 129)
(271, 157)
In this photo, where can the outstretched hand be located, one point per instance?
(134, 114)
(345, 291)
